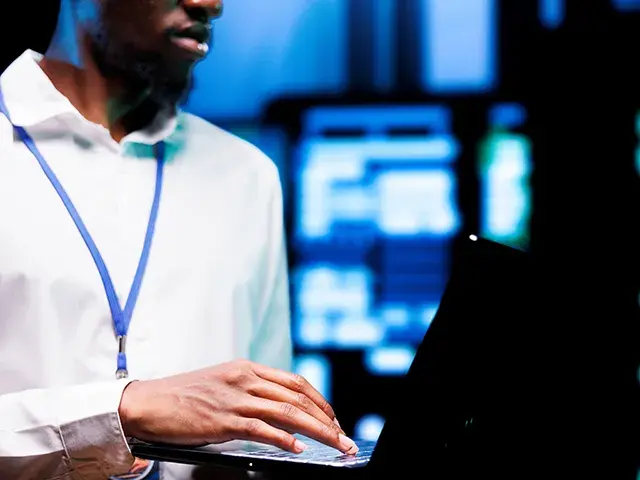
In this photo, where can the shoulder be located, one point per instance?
(213, 147)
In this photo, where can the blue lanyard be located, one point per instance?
(121, 317)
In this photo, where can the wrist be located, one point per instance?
(129, 410)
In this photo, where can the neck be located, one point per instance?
(101, 100)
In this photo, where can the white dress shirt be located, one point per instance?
(215, 287)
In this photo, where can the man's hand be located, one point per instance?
(239, 400)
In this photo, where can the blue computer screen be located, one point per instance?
(373, 221)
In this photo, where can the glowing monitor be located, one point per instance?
(374, 218)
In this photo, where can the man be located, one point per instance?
(137, 242)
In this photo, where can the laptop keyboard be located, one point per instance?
(317, 454)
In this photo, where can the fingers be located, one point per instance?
(289, 417)
(274, 391)
(291, 404)
(257, 430)
(297, 384)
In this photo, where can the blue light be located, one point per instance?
(262, 51)
(369, 428)
(374, 218)
(399, 186)
(334, 308)
(459, 45)
(312, 332)
(627, 5)
(358, 333)
(375, 120)
(507, 116)
(415, 202)
(428, 314)
(389, 360)
(323, 289)
(395, 315)
(384, 43)
(552, 12)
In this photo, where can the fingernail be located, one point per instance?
(348, 445)
(335, 420)
(298, 446)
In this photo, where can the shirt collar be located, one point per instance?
(33, 100)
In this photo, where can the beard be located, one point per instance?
(166, 82)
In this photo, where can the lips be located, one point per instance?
(194, 39)
(197, 31)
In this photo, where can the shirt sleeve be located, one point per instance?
(271, 344)
(63, 433)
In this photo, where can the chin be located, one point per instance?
(171, 91)
(178, 89)
(167, 84)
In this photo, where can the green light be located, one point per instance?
(505, 169)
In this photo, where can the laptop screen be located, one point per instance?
(469, 383)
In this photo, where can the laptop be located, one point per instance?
(468, 404)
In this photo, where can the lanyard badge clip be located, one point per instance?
(122, 372)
